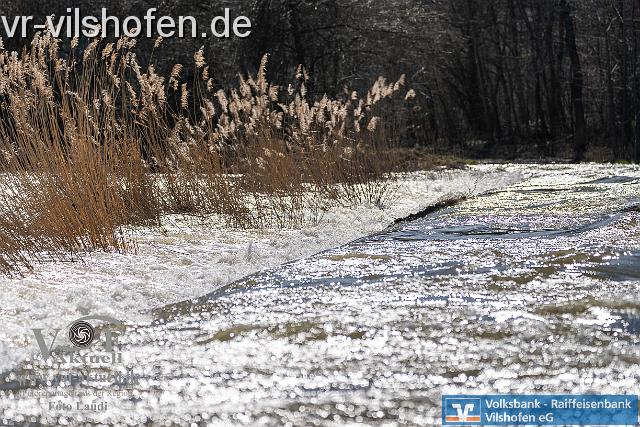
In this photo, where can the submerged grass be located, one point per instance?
(91, 142)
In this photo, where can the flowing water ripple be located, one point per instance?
(532, 289)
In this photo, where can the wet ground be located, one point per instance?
(531, 289)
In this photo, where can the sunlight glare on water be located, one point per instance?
(534, 288)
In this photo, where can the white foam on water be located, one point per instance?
(185, 258)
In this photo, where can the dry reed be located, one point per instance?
(90, 143)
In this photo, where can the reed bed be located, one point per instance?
(92, 142)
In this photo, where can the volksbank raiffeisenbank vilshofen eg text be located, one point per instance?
(539, 410)
(151, 25)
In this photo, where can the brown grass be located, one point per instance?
(90, 143)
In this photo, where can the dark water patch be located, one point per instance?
(634, 207)
(588, 189)
(628, 321)
(623, 268)
(480, 231)
(618, 179)
(541, 190)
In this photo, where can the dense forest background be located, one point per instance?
(501, 78)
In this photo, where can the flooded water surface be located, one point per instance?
(534, 288)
